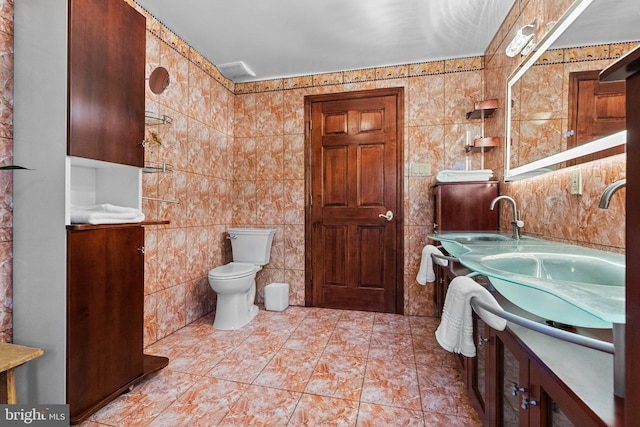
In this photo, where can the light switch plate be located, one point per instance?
(420, 169)
(576, 182)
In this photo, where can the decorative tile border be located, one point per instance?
(585, 53)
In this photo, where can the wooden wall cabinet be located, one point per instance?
(107, 41)
(465, 206)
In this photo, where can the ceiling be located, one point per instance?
(285, 38)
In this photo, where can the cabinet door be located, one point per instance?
(105, 297)
(512, 387)
(466, 206)
(477, 366)
(556, 406)
(106, 81)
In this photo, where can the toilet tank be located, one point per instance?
(252, 245)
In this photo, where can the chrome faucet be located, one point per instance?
(517, 223)
(605, 199)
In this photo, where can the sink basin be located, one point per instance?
(474, 237)
(570, 288)
(565, 283)
(557, 266)
(454, 242)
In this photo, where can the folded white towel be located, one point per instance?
(105, 214)
(455, 332)
(464, 175)
(426, 274)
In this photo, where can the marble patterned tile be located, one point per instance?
(391, 383)
(310, 339)
(349, 341)
(391, 323)
(314, 410)
(241, 366)
(146, 401)
(204, 404)
(357, 320)
(391, 347)
(338, 376)
(288, 370)
(370, 415)
(171, 310)
(426, 100)
(266, 374)
(261, 406)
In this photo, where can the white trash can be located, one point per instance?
(276, 296)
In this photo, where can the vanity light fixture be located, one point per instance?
(523, 41)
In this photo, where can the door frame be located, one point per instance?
(398, 92)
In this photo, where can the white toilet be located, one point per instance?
(235, 283)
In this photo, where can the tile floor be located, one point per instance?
(301, 367)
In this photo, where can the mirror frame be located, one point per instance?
(533, 168)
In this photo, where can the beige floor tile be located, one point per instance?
(262, 406)
(288, 370)
(314, 410)
(338, 376)
(300, 367)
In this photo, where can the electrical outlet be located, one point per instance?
(576, 182)
(420, 169)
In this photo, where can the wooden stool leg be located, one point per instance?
(8, 387)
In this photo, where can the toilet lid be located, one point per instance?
(233, 270)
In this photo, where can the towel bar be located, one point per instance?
(447, 258)
(593, 343)
(155, 199)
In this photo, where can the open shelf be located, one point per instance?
(487, 144)
(157, 167)
(153, 119)
(483, 109)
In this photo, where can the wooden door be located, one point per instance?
(105, 306)
(354, 254)
(107, 42)
(596, 109)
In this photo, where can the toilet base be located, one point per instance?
(227, 317)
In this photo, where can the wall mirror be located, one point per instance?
(539, 123)
(159, 80)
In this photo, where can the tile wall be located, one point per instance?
(195, 196)
(6, 181)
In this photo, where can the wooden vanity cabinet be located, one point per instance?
(524, 392)
(465, 206)
(105, 310)
(105, 299)
(556, 383)
(107, 53)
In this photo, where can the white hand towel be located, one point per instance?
(455, 332)
(426, 274)
(105, 214)
(464, 175)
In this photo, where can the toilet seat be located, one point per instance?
(233, 270)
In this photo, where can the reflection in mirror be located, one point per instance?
(558, 108)
(159, 80)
